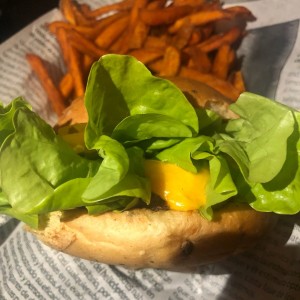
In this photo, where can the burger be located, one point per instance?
(150, 172)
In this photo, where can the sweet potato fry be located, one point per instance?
(84, 45)
(39, 68)
(86, 10)
(112, 32)
(231, 57)
(200, 18)
(85, 30)
(80, 18)
(166, 15)
(218, 40)
(100, 25)
(54, 26)
(222, 62)
(134, 19)
(154, 42)
(119, 6)
(61, 35)
(183, 36)
(66, 8)
(75, 70)
(145, 55)
(224, 87)
(90, 32)
(199, 60)
(87, 62)
(238, 81)
(171, 62)
(195, 3)
(194, 38)
(139, 35)
(242, 11)
(117, 45)
(66, 85)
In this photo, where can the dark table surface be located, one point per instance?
(16, 14)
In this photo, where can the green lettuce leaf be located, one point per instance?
(7, 209)
(147, 126)
(116, 204)
(120, 174)
(112, 170)
(282, 194)
(183, 153)
(261, 133)
(66, 196)
(6, 117)
(39, 161)
(221, 186)
(264, 143)
(154, 145)
(120, 86)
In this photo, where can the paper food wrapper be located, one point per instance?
(30, 270)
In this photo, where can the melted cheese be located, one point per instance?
(182, 190)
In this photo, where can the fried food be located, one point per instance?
(194, 38)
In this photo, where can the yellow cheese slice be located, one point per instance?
(182, 190)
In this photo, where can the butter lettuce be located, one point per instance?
(281, 194)
(120, 174)
(135, 116)
(261, 132)
(120, 86)
(7, 209)
(264, 142)
(34, 162)
(147, 126)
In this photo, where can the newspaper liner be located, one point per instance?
(30, 270)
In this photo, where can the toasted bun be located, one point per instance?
(165, 239)
(142, 238)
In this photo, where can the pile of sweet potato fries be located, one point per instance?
(195, 39)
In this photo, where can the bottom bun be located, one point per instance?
(165, 239)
